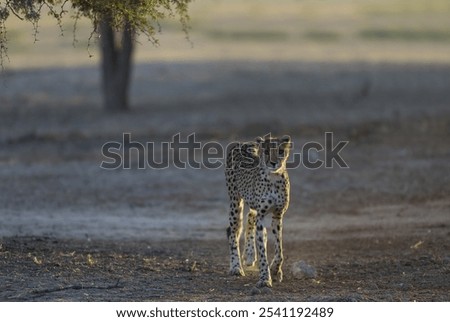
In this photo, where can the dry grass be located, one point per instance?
(337, 30)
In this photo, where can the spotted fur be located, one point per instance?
(256, 175)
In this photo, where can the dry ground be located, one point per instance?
(354, 269)
(378, 231)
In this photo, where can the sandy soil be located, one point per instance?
(378, 231)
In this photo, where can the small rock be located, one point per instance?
(255, 291)
(446, 260)
(260, 290)
(301, 269)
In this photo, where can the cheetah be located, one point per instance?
(256, 175)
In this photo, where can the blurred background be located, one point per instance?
(396, 31)
(376, 73)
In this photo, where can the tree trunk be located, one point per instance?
(117, 49)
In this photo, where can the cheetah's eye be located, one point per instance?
(281, 152)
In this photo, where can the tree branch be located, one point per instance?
(14, 12)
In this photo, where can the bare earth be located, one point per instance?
(378, 231)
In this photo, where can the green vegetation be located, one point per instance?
(249, 35)
(405, 35)
(322, 35)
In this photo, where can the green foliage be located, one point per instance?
(249, 35)
(322, 35)
(405, 35)
(142, 16)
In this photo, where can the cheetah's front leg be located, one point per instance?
(250, 231)
(277, 262)
(261, 242)
(234, 233)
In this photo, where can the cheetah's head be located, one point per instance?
(274, 152)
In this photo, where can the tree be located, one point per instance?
(117, 50)
(117, 22)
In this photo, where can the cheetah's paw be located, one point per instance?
(237, 271)
(264, 283)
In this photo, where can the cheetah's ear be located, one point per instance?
(286, 139)
(259, 140)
